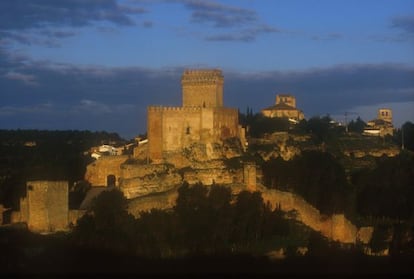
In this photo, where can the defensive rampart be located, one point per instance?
(335, 227)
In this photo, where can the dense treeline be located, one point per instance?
(209, 230)
(322, 128)
(50, 155)
(315, 175)
(387, 190)
(204, 221)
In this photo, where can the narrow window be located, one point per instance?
(187, 130)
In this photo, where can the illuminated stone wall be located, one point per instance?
(45, 207)
(97, 172)
(202, 118)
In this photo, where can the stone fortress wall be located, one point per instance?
(202, 117)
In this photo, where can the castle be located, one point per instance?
(285, 107)
(202, 118)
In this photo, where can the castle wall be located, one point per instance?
(226, 123)
(201, 119)
(173, 128)
(154, 130)
(180, 127)
(97, 172)
(335, 227)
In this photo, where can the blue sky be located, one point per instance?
(97, 65)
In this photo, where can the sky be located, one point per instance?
(97, 64)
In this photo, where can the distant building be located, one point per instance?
(382, 125)
(285, 107)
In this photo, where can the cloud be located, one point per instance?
(327, 37)
(405, 23)
(116, 99)
(22, 14)
(246, 35)
(325, 90)
(58, 33)
(98, 108)
(25, 78)
(219, 15)
(32, 109)
(36, 22)
(147, 24)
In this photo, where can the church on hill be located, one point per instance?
(284, 107)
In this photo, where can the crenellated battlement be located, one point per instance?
(202, 76)
(182, 109)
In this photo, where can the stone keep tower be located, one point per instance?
(201, 119)
(202, 88)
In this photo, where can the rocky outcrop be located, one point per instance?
(140, 180)
(211, 176)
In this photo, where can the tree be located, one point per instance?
(387, 190)
(317, 176)
(108, 225)
(357, 126)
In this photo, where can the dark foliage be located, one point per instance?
(204, 221)
(259, 125)
(316, 176)
(322, 129)
(52, 155)
(387, 190)
(108, 226)
(356, 126)
(405, 136)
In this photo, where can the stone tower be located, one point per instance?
(46, 206)
(385, 114)
(286, 99)
(202, 88)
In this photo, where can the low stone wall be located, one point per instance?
(163, 201)
(335, 227)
